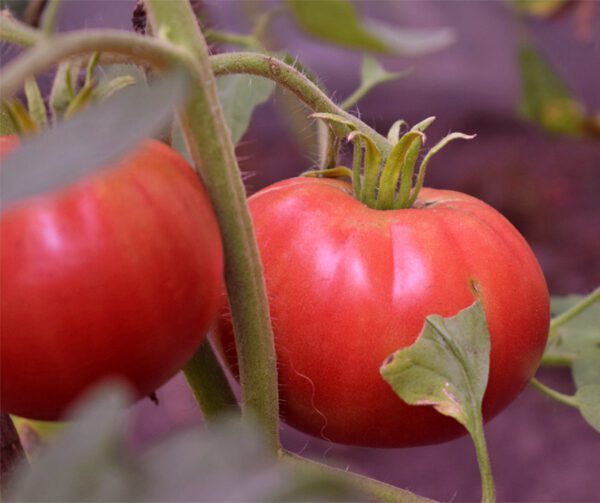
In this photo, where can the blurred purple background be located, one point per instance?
(548, 186)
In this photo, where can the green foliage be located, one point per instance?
(239, 96)
(337, 22)
(539, 8)
(447, 367)
(88, 462)
(579, 337)
(58, 156)
(546, 100)
(372, 74)
(578, 343)
(35, 102)
(7, 124)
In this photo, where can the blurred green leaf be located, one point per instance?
(239, 96)
(7, 125)
(35, 102)
(372, 74)
(546, 100)
(107, 73)
(447, 367)
(90, 141)
(540, 8)
(411, 41)
(17, 7)
(88, 462)
(62, 91)
(337, 22)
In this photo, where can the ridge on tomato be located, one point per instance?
(118, 275)
(348, 285)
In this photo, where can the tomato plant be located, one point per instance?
(381, 294)
(348, 285)
(116, 276)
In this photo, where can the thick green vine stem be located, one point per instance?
(287, 76)
(209, 142)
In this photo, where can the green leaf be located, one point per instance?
(447, 366)
(239, 96)
(586, 369)
(588, 399)
(62, 87)
(35, 102)
(546, 100)
(337, 22)
(540, 8)
(230, 462)
(86, 462)
(412, 42)
(92, 140)
(107, 73)
(7, 125)
(579, 336)
(372, 74)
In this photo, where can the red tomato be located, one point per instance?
(117, 275)
(349, 285)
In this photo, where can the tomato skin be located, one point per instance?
(349, 285)
(118, 275)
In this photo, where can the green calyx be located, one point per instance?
(387, 184)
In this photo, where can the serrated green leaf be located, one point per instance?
(447, 367)
(239, 96)
(588, 399)
(61, 155)
(545, 99)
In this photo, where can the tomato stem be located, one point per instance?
(209, 384)
(209, 143)
(483, 459)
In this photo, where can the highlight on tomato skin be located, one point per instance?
(349, 285)
(118, 275)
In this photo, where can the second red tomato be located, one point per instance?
(349, 285)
